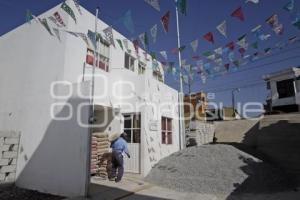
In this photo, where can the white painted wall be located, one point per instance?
(30, 60)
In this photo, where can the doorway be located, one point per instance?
(132, 127)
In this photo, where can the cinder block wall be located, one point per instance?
(9, 146)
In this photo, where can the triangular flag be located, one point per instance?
(273, 20)
(293, 39)
(242, 51)
(57, 33)
(209, 37)
(194, 45)
(154, 4)
(230, 46)
(153, 55)
(45, 24)
(231, 56)
(125, 42)
(256, 31)
(164, 55)
(77, 4)
(29, 16)
(68, 10)
(52, 19)
(59, 19)
(278, 29)
(84, 38)
(289, 6)
(109, 35)
(242, 42)
(128, 22)
(238, 13)
(165, 21)
(267, 50)
(92, 36)
(136, 45)
(254, 45)
(153, 32)
(236, 63)
(253, 1)
(263, 37)
(181, 5)
(219, 51)
(142, 38)
(206, 53)
(120, 43)
(196, 57)
(222, 28)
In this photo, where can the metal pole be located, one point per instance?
(233, 103)
(91, 114)
(94, 67)
(180, 98)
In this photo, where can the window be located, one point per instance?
(285, 88)
(102, 56)
(132, 127)
(166, 130)
(129, 62)
(158, 76)
(142, 68)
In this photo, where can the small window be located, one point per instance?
(158, 76)
(142, 68)
(102, 61)
(166, 130)
(129, 62)
(285, 88)
(132, 127)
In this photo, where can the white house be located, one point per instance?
(45, 94)
(284, 89)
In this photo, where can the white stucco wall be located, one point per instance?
(30, 60)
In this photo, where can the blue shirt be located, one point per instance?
(120, 145)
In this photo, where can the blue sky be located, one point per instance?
(202, 16)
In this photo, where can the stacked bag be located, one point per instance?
(100, 155)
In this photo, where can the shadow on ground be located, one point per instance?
(102, 192)
(276, 144)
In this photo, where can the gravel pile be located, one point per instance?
(216, 169)
(14, 193)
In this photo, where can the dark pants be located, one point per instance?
(117, 165)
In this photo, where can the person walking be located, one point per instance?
(119, 147)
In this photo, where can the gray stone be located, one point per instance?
(10, 154)
(11, 141)
(4, 162)
(6, 169)
(1, 141)
(14, 162)
(4, 148)
(2, 177)
(10, 177)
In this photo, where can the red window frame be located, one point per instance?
(166, 131)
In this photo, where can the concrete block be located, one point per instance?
(2, 177)
(10, 154)
(14, 161)
(4, 148)
(13, 134)
(4, 162)
(11, 141)
(15, 148)
(1, 141)
(6, 169)
(10, 177)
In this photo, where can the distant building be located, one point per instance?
(195, 106)
(284, 87)
(225, 113)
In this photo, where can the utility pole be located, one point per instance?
(180, 97)
(92, 113)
